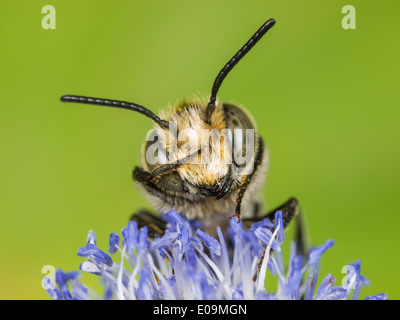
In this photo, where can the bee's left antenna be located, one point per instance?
(232, 62)
(116, 104)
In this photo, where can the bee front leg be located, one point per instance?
(141, 175)
(247, 179)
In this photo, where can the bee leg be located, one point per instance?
(290, 210)
(155, 225)
(141, 175)
(240, 193)
(247, 179)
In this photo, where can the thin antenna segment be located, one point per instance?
(232, 62)
(116, 104)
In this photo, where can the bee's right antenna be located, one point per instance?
(232, 62)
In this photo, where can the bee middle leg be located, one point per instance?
(290, 210)
(155, 225)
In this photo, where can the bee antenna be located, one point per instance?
(116, 104)
(232, 62)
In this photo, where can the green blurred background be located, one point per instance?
(326, 101)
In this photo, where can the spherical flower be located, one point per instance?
(187, 263)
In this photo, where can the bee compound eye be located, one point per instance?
(238, 117)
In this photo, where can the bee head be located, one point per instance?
(195, 144)
(206, 158)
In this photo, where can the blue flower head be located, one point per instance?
(187, 263)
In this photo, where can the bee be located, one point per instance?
(204, 181)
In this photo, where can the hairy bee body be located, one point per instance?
(191, 187)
